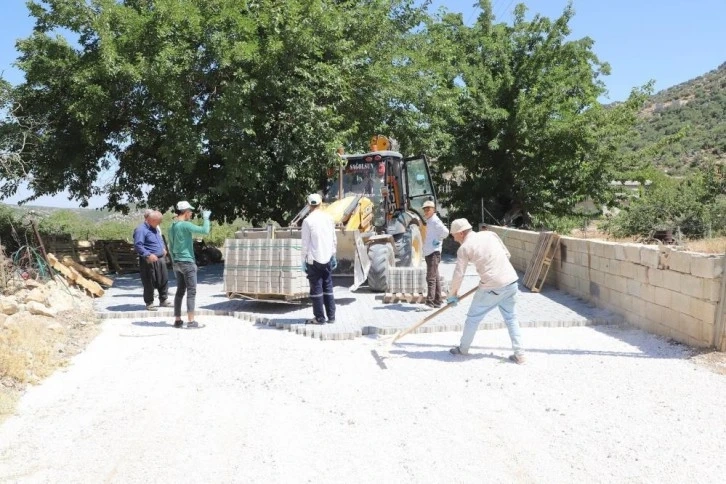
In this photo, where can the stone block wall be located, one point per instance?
(662, 290)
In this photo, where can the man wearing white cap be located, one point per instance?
(497, 287)
(181, 246)
(436, 231)
(319, 245)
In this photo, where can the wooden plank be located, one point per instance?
(88, 273)
(91, 286)
(60, 267)
(388, 297)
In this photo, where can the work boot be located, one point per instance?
(517, 358)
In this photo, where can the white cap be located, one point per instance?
(184, 205)
(429, 203)
(314, 199)
(459, 225)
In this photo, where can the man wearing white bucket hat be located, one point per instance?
(497, 287)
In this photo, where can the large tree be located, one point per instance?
(530, 134)
(237, 103)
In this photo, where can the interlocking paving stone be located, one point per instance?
(357, 314)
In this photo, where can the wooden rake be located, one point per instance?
(388, 343)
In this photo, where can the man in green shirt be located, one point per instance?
(181, 248)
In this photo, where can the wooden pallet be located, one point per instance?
(539, 265)
(122, 257)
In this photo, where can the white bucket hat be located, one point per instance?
(184, 205)
(314, 199)
(459, 225)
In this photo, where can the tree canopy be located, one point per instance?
(240, 104)
(531, 135)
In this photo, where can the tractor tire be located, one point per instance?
(410, 247)
(381, 257)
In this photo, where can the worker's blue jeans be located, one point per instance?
(320, 277)
(484, 301)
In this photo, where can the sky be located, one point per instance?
(668, 41)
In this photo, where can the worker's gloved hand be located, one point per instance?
(333, 262)
(437, 244)
(304, 267)
(452, 300)
(206, 214)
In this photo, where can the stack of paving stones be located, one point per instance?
(407, 280)
(264, 266)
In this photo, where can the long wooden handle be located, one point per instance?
(431, 316)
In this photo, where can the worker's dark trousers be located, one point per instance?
(154, 275)
(433, 295)
(321, 290)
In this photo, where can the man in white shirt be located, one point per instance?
(498, 286)
(436, 231)
(319, 246)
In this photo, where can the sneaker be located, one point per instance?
(456, 351)
(192, 324)
(431, 305)
(150, 307)
(331, 321)
(314, 321)
(438, 305)
(178, 324)
(518, 359)
(165, 304)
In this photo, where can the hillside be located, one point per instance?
(700, 105)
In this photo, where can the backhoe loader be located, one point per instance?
(375, 200)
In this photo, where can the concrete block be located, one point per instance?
(627, 269)
(649, 256)
(679, 261)
(641, 273)
(632, 252)
(616, 283)
(672, 280)
(707, 331)
(663, 297)
(690, 326)
(670, 317)
(712, 289)
(633, 287)
(706, 267)
(680, 302)
(620, 252)
(693, 286)
(654, 312)
(704, 311)
(608, 250)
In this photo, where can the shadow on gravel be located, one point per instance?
(127, 307)
(444, 356)
(550, 351)
(399, 307)
(155, 324)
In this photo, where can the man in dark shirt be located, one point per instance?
(150, 246)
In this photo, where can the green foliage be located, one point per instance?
(697, 105)
(236, 104)
(530, 132)
(692, 205)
